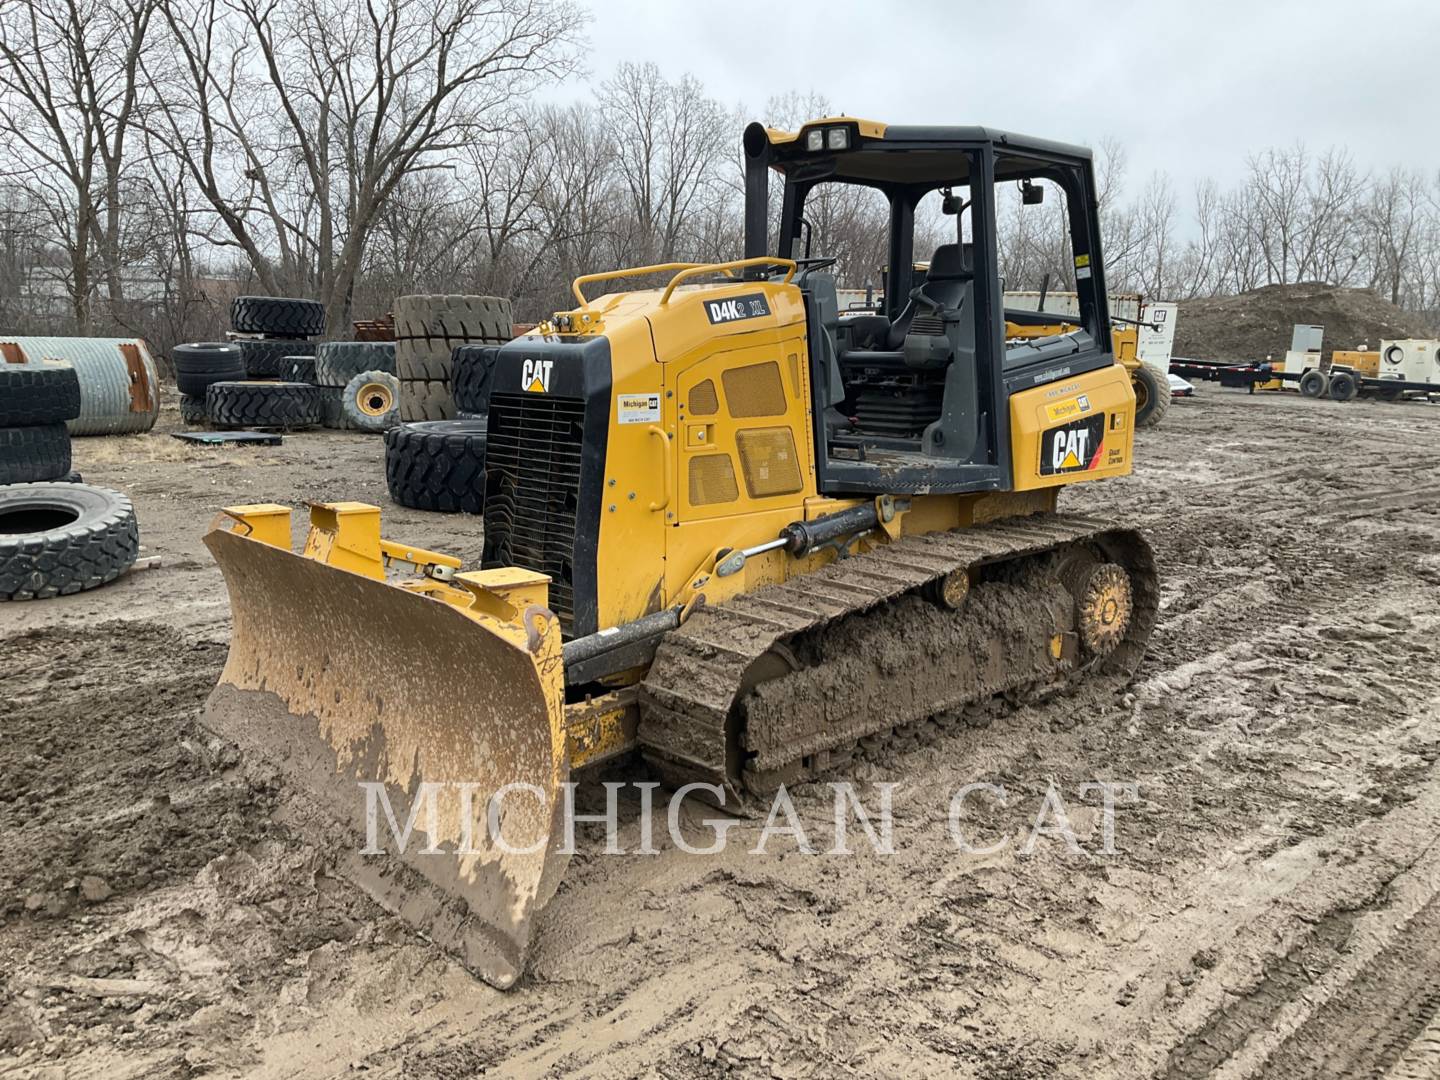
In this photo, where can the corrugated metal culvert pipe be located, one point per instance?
(119, 383)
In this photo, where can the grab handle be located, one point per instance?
(667, 467)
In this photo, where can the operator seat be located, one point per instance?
(944, 289)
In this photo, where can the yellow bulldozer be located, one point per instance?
(725, 532)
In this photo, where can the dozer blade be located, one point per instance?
(351, 687)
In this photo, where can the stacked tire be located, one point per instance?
(437, 465)
(273, 329)
(197, 366)
(35, 402)
(471, 368)
(358, 386)
(57, 535)
(427, 331)
(285, 406)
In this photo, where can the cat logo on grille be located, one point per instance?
(535, 375)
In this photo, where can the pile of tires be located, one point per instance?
(57, 539)
(36, 401)
(199, 364)
(275, 328)
(427, 331)
(358, 386)
(437, 465)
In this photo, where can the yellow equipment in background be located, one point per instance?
(723, 528)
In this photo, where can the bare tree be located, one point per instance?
(69, 82)
(298, 121)
(669, 140)
(1396, 219)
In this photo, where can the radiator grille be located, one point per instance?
(767, 458)
(703, 401)
(532, 489)
(754, 390)
(712, 480)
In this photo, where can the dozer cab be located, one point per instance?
(726, 530)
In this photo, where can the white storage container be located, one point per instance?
(1411, 359)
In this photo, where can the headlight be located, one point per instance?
(837, 138)
(815, 140)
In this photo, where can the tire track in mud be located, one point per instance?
(1383, 1021)
(1366, 1029)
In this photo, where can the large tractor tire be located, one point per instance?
(337, 362)
(332, 416)
(32, 394)
(277, 316)
(428, 328)
(263, 405)
(1152, 395)
(423, 400)
(63, 538)
(192, 410)
(298, 369)
(35, 453)
(371, 401)
(266, 359)
(438, 466)
(471, 367)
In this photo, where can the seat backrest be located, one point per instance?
(827, 308)
(945, 284)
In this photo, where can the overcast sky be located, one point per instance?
(1190, 87)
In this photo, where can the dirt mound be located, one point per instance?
(1258, 323)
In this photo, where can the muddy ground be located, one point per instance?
(1272, 908)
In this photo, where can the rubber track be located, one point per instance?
(689, 692)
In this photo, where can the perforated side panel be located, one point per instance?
(768, 460)
(754, 390)
(703, 401)
(712, 480)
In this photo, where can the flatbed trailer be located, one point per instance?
(1338, 382)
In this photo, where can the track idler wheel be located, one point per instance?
(1104, 605)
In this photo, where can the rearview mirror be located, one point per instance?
(1031, 195)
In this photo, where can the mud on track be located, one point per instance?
(1271, 910)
